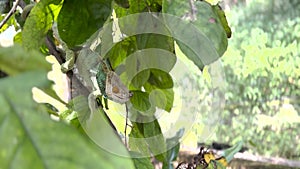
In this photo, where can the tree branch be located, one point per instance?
(53, 51)
(10, 13)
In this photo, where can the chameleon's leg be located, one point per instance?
(99, 101)
(105, 103)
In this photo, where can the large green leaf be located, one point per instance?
(137, 143)
(118, 51)
(160, 79)
(150, 40)
(39, 22)
(155, 139)
(140, 101)
(161, 98)
(152, 58)
(203, 37)
(30, 139)
(140, 79)
(146, 103)
(14, 60)
(173, 149)
(148, 136)
(79, 19)
(144, 163)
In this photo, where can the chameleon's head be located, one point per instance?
(115, 89)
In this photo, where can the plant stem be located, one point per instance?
(10, 13)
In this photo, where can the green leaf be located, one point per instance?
(155, 139)
(38, 23)
(18, 38)
(24, 82)
(220, 13)
(147, 136)
(38, 141)
(79, 19)
(136, 141)
(150, 59)
(14, 60)
(173, 146)
(230, 152)
(158, 98)
(140, 79)
(140, 100)
(144, 163)
(144, 6)
(119, 51)
(10, 22)
(122, 3)
(162, 98)
(150, 40)
(160, 79)
(200, 34)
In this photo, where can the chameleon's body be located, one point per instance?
(101, 75)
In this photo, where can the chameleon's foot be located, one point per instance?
(99, 102)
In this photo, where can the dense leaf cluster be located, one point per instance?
(69, 30)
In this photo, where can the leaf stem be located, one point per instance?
(126, 124)
(10, 13)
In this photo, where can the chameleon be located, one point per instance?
(110, 85)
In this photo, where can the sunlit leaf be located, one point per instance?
(220, 13)
(10, 22)
(39, 22)
(144, 6)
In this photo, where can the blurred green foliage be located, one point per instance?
(263, 78)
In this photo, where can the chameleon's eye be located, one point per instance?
(130, 93)
(115, 89)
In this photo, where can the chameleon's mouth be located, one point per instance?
(130, 94)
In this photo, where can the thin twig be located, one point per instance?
(126, 123)
(10, 13)
(193, 10)
(52, 50)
